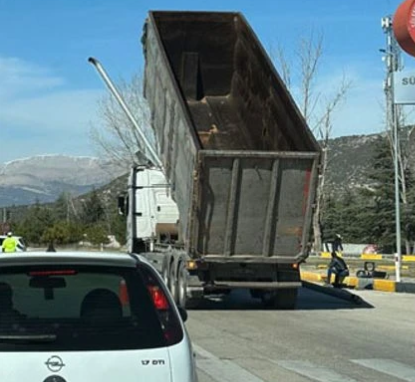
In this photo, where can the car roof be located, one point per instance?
(75, 258)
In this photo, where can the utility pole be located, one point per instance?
(393, 63)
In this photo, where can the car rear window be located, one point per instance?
(45, 308)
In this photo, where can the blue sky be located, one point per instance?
(49, 94)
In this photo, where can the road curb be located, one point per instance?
(366, 256)
(363, 283)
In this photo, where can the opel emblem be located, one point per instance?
(54, 364)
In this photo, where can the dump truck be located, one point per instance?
(228, 203)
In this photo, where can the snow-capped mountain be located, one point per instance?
(45, 177)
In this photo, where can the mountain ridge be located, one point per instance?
(44, 177)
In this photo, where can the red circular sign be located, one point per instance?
(404, 26)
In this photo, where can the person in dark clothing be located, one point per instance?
(337, 243)
(324, 238)
(337, 267)
(51, 247)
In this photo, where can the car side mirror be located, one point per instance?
(183, 313)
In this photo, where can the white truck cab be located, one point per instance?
(152, 214)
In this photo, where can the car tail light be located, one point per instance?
(171, 327)
(123, 293)
(158, 297)
(170, 323)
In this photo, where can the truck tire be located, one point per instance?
(173, 283)
(183, 300)
(182, 285)
(165, 271)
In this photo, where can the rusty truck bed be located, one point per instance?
(241, 160)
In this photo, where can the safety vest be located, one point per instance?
(9, 244)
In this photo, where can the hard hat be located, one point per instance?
(338, 236)
(9, 234)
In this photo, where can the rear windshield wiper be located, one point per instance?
(28, 338)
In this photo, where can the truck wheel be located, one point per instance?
(182, 285)
(183, 300)
(173, 283)
(286, 298)
(165, 271)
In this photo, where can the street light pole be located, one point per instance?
(392, 65)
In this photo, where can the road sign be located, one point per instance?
(404, 87)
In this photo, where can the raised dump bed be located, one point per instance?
(241, 159)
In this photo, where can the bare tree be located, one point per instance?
(317, 109)
(115, 137)
(324, 127)
(309, 53)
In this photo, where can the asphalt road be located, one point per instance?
(325, 339)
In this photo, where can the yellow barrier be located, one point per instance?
(371, 256)
(351, 281)
(311, 276)
(327, 255)
(384, 285)
(391, 267)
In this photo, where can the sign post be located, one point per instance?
(404, 82)
(393, 65)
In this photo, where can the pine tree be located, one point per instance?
(118, 227)
(37, 220)
(340, 217)
(63, 232)
(97, 234)
(378, 213)
(61, 207)
(93, 209)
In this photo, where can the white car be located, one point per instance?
(21, 246)
(89, 317)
